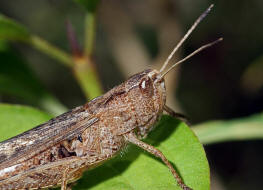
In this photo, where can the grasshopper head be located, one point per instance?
(147, 91)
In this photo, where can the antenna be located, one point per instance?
(192, 54)
(200, 18)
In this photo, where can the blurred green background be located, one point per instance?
(223, 82)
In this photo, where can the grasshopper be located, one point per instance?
(57, 152)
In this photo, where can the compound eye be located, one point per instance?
(146, 87)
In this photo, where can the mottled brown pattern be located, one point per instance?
(57, 152)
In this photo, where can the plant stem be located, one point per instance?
(87, 77)
(51, 50)
(52, 105)
(84, 68)
(90, 27)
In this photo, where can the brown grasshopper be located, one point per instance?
(57, 152)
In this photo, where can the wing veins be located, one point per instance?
(72, 130)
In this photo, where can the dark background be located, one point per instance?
(223, 82)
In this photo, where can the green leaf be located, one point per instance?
(136, 169)
(90, 5)
(11, 30)
(15, 119)
(246, 128)
(17, 79)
